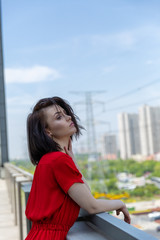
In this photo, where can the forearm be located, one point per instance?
(82, 196)
(102, 205)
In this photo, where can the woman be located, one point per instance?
(58, 189)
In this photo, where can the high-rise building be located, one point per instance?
(129, 136)
(149, 123)
(109, 143)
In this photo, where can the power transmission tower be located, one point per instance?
(91, 139)
(91, 133)
(3, 127)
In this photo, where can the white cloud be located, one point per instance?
(31, 75)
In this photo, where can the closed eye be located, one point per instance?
(59, 117)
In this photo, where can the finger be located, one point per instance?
(127, 219)
(117, 212)
(70, 143)
(65, 149)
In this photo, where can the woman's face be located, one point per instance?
(60, 124)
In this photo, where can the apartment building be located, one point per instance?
(109, 146)
(149, 124)
(129, 135)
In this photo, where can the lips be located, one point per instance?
(72, 124)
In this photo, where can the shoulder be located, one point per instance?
(54, 158)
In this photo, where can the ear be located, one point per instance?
(49, 133)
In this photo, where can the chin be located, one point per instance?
(73, 132)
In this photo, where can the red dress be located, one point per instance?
(49, 207)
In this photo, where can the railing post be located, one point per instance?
(19, 181)
(14, 176)
(26, 187)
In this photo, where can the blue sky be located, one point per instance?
(54, 47)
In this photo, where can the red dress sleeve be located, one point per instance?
(66, 172)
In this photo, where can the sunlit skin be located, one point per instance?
(59, 130)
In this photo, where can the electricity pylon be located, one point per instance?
(91, 133)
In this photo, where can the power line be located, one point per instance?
(133, 91)
(130, 105)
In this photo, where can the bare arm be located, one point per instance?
(84, 180)
(81, 194)
(68, 151)
(83, 197)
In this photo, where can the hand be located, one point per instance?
(68, 149)
(124, 210)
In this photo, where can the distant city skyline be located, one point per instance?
(52, 48)
(139, 132)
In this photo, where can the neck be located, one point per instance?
(63, 143)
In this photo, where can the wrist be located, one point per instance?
(123, 204)
(120, 204)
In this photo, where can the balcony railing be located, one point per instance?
(98, 226)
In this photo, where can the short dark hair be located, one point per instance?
(39, 143)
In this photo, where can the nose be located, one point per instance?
(68, 117)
